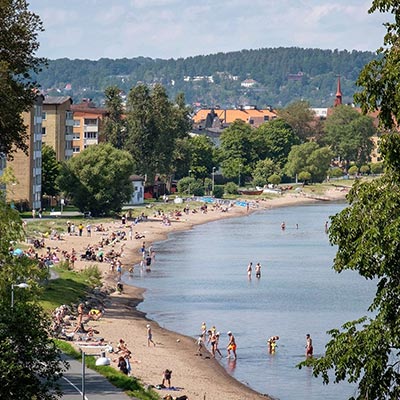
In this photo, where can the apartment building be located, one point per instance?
(27, 168)
(88, 121)
(57, 125)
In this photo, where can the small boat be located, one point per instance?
(253, 192)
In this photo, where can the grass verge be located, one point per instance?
(130, 385)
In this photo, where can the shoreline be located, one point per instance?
(199, 377)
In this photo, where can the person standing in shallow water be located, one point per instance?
(231, 346)
(249, 269)
(258, 270)
(309, 346)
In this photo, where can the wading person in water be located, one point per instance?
(309, 346)
(258, 270)
(249, 269)
(231, 346)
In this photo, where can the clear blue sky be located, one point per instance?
(92, 29)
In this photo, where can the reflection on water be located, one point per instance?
(201, 275)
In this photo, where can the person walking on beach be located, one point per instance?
(231, 346)
(309, 346)
(204, 331)
(149, 336)
(283, 225)
(249, 269)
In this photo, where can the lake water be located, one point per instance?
(200, 275)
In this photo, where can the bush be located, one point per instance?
(231, 188)
(258, 181)
(275, 179)
(353, 170)
(218, 191)
(377, 168)
(184, 184)
(336, 172)
(304, 176)
(364, 169)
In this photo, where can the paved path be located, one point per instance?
(97, 387)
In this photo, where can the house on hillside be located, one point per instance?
(248, 83)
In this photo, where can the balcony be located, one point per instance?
(90, 142)
(91, 128)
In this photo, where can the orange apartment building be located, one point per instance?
(88, 121)
(57, 125)
(27, 168)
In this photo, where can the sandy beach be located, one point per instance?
(198, 377)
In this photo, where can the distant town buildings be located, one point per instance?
(88, 121)
(57, 125)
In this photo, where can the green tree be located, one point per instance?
(304, 176)
(353, 170)
(367, 234)
(380, 78)
(236, 150)
(154, 124)
(309, 157)
(275, 179)
(97, 180)
(300, 117)
(349, 134)
(263, 170)
(28, 354)
(114, 129)
(19, 29)
(201, 156)
(50, 171)
(274, 140)
(377, 168)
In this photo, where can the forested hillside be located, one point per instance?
(281, 75)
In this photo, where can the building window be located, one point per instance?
(44, 115)
(76, 149)
(251, 122)
(69, 115)
(90, 135)
(90, 121)
(77, 122)
(77, 136)
(43, 130)
(266, 118)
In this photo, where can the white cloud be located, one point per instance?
(180, 28)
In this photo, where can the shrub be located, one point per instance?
(364, 169)
(275, 179)
(336, 172)
(304, 176)
(377, 168)
(218, 191)
(353, 170)
(231, 188)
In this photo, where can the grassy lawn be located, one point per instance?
(70, 287)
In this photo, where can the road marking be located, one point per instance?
(74, 386)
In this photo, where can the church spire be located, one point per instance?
(338, 99)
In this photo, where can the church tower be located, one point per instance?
(338, 99)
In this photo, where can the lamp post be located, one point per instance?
(240, 166)
(102, 361)
(19, 285)
(190, 172)
(213, 179)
